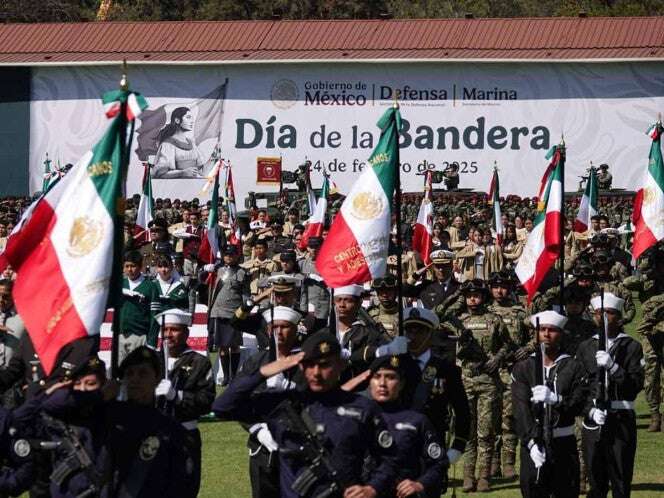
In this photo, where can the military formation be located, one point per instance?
(391, 388)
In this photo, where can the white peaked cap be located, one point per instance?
(282, 313)
(421, 315)
(349, 290)
(174, 316)
(550, 318)
(611, 301)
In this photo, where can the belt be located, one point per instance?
(190, 425)
(622, 405)
(563, 431)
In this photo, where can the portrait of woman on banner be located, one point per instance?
(178, 155)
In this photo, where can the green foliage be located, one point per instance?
(154, 10)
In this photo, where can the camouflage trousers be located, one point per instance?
(653, 369)
(503, 424)
(482, 392)
(578, 433)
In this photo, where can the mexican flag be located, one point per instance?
(210, 243)
(494, 199)
(544, 242)
(648, 210)
(317, 221)
(423, 231)
(588, 205)
(235, 237)
(67, 254)
(145, 212)
(355, 249)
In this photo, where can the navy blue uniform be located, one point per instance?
(350, 426)
(421, 454)
(16, 466)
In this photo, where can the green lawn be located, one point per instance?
(225, 460)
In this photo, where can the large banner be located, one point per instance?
(472, 114)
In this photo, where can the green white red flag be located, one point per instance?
(145, 213)
(544, 243)
(316, 222)
(235, 237)
(67, 253)
(494, 199)
(648, 212)
(210, 243)
(588, 204)
(355, 249)
(423, 230)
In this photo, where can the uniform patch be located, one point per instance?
(149, 448)
(434, 451)
(476, 326)
(22, 448)
(349, 412)
(429, 373)
(402, 426)
(385, 439)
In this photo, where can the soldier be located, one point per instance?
(615, 374)
(651, 330)
(512, 314)
(282, 323)
(480, 372)
(260, 266)
(12, 330)
(139, 298)
(604, 178)
(231, 290)
(549, 463)
(291, 268)
(441, 293)
(348, 426)
(360, 341)
(602, 264)
(386, 312)
(187, 390)
(314, 287)
(159, 244)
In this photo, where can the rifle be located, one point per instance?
(300, 427)
(542, 412)
(602, 345)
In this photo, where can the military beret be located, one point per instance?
(320, 345)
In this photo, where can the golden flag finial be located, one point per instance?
(124, 82)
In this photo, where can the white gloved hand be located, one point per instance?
(264, 437)
(542, 394)
(537, 456)
(345, 353)
(209, 267)
(604, 360)
(165, 388)
(398, 345)
(453, 456)
(316, 277)
(598, 416)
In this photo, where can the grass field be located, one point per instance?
(225, 460)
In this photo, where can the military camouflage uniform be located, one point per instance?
(259, 270)
(652, 333)
(482, 383)
(387, 317)
(505, 450)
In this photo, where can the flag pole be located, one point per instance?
(119, 223)
(397, 208)
(561, 165)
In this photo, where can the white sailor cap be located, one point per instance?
(611, 301)
(550, 318)
(349, 290)
(441, 256)
(421, 315)
(282, 313)
(174, 316)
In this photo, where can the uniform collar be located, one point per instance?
(622, 335)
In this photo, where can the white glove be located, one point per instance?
(398, 345)
(453, 455)
(264, 437)
(598, 416)
(209, 267)
(537, 456)
(604, 360)
(542, 394)
(345, 353)
(165, 388)
(316, 277)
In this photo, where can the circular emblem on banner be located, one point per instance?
(434, 451)
(385, 439)
(21, 448)
(284, 93)
(366, 206)
(149, 448)
(648, 196)
(84, 236)
(269, 171)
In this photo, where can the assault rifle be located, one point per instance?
(320, 472)
(542, 411)
(602, 345)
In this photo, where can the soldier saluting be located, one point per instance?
(549, 456)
